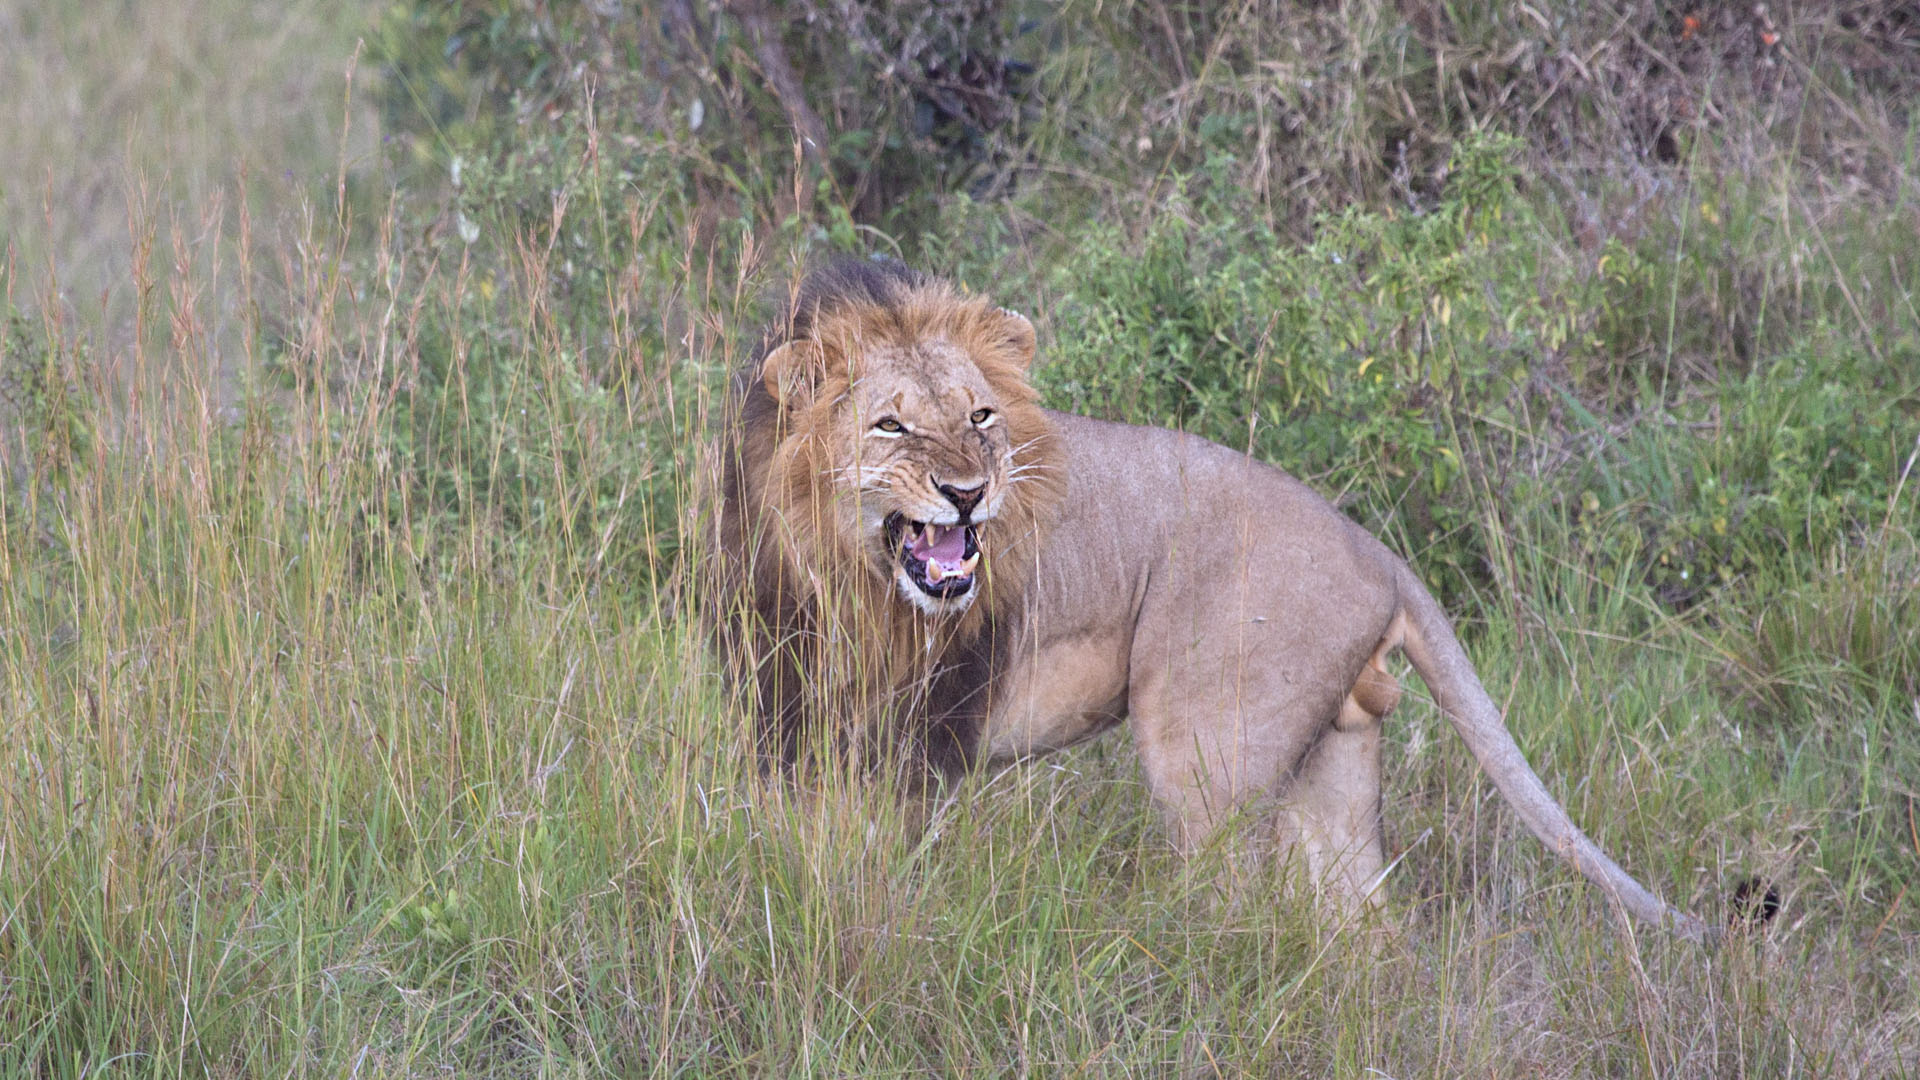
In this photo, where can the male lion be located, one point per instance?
(915, 555)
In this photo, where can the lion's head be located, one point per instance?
(893, 445)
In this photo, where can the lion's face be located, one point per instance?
(908, 449)
(925, 464)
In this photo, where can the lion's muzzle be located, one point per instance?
(939, 560)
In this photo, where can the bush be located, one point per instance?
(1355, 360)
(1773, 469)
(45, 406)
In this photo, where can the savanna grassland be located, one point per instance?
(359, 366)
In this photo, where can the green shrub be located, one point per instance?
(904, 101)
(1354, 360)
(46, 408)
(1773, 469)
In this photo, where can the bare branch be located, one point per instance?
(781, 78)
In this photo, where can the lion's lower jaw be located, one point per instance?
(936, 606)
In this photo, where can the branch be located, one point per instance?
(782, 79)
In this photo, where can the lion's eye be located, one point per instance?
(889, 425)
(981, 416)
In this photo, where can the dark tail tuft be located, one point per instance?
(1755, 903)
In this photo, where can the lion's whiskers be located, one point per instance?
(864, 477)
(1023, 473)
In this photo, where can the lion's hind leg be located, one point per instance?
(1329, 815)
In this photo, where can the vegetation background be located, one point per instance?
(357, 365)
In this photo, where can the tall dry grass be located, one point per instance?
(144, 116)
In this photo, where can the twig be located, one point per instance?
(1914, 833)
(1840, 279)
(782, 79)
(1893, 503)
(1173, 42)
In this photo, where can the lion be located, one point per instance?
(914, 553)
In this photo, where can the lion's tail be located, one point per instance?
(1429, 641)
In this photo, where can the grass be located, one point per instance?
(123, 124)
(354, 724)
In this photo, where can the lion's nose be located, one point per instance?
(964, 499)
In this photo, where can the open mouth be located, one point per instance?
(939, 559)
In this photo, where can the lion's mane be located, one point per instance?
(827, 640)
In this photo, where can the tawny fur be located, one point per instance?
(1233, 619)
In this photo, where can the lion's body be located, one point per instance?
(1231, 617)
(1225, 622)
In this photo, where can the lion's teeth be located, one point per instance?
(935, 572)
(966, 567)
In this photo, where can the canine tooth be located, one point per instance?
(967, 566)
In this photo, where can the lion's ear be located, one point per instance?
(794, 371)
(1019, 335)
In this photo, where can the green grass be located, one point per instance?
(353, 720)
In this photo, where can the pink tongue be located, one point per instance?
(949, 546)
